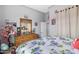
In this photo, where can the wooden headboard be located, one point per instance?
(24, 38)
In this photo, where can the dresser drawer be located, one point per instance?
(25, 38)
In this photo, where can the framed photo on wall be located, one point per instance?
(53, 21)
(36, 24)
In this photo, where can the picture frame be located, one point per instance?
(36, 24)
(53, 21)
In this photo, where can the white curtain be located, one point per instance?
(67, 26)
(73, 19)
(78, 21)
(68, 22)
(63, 23)
(59, 24)
(56, 23)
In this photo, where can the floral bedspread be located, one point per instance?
(47, 45)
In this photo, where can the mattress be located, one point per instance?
(47, 45)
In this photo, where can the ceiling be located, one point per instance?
(41, 8)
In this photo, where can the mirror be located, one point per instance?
(26, 26)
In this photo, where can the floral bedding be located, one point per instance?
(47, 45)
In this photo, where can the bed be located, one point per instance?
(47, 45)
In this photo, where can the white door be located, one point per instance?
(43, 29)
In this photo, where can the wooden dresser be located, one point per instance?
(24, 38)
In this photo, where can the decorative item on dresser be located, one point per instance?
(18, 31)
(24, 38)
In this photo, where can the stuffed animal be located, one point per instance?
(75, 43)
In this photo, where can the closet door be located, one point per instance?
(43, 29)
(73, 19)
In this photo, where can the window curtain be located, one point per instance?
(56, 14)
(59, 24)
(73, 19)
(68, 22)
(67, 26)
(63, 23)
(78, 21)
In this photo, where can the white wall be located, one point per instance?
(46, 16)
(14, 12)
(1, 16)
(46, 20)
(52, 28)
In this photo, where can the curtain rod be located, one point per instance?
(66, 9)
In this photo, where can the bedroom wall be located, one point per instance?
(14, 12)
(1, 16)
(46, 20)
(46, 16)
(52, 30)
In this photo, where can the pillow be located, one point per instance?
(75, 43)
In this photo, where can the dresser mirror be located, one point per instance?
(25, 26)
